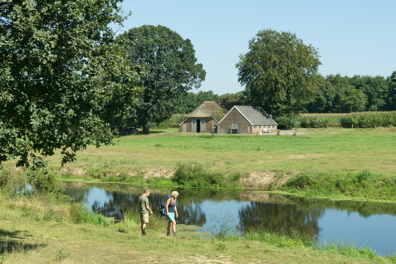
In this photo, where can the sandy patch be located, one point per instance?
(74, 171)
(167, 173)
(260, 180)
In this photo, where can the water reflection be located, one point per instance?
(284, 218)
(319, 219)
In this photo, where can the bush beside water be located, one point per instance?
(358, 120)
(194, 175)
(361, 185)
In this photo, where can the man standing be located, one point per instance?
(144, 209)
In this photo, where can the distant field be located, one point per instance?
(355, 120)
(319, 151)
(344, 114)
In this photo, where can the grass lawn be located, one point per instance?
(318, 151)
(28, 235)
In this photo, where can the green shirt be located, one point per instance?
(143, 201)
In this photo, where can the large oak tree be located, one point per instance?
(280, 72)
(61, 73)
(171, 67)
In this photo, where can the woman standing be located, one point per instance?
(171, 210)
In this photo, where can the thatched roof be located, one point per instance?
(209, 109)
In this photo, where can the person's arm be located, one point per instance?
(177, 215)
(166, 206)
(148, 208)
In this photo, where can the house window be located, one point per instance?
(259, 126)
(255, 126)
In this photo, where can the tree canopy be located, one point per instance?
(171, 67)
(391, 99)
(60, 74)
(280, 72)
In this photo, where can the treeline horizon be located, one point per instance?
(338, 94)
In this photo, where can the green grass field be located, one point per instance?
(318, 151)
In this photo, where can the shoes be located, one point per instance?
(168, 234)
(174, 233)
(143, 234)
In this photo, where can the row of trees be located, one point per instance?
(64, 76)
(359, 93)
(338, 94)
(281, 74)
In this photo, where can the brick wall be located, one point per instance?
(234, 117)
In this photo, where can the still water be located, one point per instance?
(362, 223)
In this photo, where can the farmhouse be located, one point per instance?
(203, 118)
(246, 120)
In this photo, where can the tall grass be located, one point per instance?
(357, 120)
(194, 175)
(79, 213)
(361, 185)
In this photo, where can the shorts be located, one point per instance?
(144, 218)
(171, 217)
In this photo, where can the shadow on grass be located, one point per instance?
(12, 241)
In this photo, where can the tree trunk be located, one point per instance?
(146, 130)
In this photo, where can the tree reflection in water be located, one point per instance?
(280, 218)
(123, 199)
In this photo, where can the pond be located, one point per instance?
(363, 223)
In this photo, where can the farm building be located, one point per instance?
(204, 117)
(246, 120)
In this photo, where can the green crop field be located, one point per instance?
(318, 151)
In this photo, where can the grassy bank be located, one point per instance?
(364, 185)
(43, 229)
(244, 160)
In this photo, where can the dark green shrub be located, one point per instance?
(193, 175)
(300, 182)
(364, 176)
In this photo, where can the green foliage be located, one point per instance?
(358, 120)
(11, 181)
(391, 98)
(173, 121)
(360, 185)
(61, 74)
(45, 183)
(79, 213)
(280, 72)
(194, 175)
(172, 71)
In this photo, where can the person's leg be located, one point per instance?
(144, 221)
(169, 225)
(174, 226)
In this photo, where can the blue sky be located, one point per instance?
(353, 37)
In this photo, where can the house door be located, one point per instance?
(203, 125)
(184, 128)
(194, 125)
(234, 128)
(248, 129)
